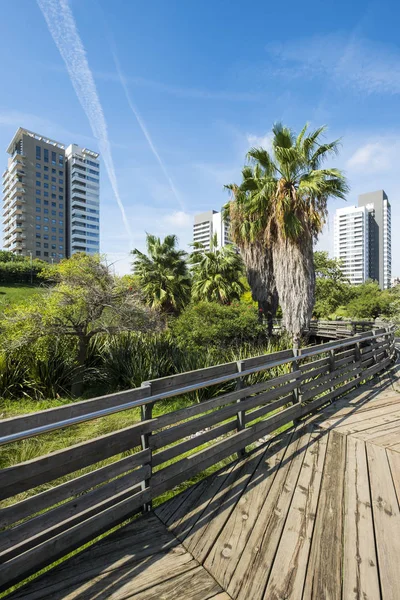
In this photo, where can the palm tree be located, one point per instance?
(216, 273)
(293, 199)
(163, 274)
(246, 232)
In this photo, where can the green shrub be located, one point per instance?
(210, 324)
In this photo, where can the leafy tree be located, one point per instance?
(7, 256)
(217, 273)
(86, 301)
(332, 289)
(369, 301)
(290, 206)
(247, 233)
(163, 274)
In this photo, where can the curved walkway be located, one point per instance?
(310, 514)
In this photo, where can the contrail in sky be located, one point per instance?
(62, 26)
(144, 128)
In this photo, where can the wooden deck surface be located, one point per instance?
(311, 514)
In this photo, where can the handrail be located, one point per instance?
(15, 437)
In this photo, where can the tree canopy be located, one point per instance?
(217, 273)
(163, 274)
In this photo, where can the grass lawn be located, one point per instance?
(14, 294)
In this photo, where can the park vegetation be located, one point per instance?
(89, 332)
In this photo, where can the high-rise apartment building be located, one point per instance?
(362, 239)
(39, 217)
(83, 225)
(351, 242)
(209, 223)
(34, 197)
(380, 241)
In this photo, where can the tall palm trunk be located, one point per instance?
(260, 275)
(295, 282)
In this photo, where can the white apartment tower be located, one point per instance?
(83, 172)
(208, 224)
(351, 242)
(362, 239)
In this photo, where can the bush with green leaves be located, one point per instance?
(212, 324)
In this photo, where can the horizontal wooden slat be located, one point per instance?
(193, 442)
(76, 409)
(314, 373)
(219, 401)
(174, 382)
(332, 382)
(27, 475)
(33, 532)
(329, 377)
(168, 436)
(308, 366)
(46, 553)
(34, 504)
(260, 412)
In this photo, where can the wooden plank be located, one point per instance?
(385, 509)
(387, 438)
(355, 417)
(228, 547)
(177, 432)
(360, 570)
(394, 463)
(374, 433)
(33, 532)
(39, 502)
(290, 563)
(253, 568)
(203, 534)
(129, 547)
(367, 424)
(364, 401)
(219, 401)
(324, 571)
(126, 578)
(29, 474)
(195, 584)
(51, 550)
(182, 520)
(75, 409)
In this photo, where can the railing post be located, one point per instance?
(296, 392)
(146, 413)
(332, 365)
(241, 415)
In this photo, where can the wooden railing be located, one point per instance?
(247, 400)
(334, 329)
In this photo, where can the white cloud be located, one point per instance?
(374, 157)
(179, 219)
(62, 26)
(363, 64)
(263, 141)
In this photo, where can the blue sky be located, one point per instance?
(174, 92)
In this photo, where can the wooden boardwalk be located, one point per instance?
(310, 514)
